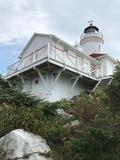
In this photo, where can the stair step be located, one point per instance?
(102, 84)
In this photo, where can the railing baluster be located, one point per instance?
(34, 57)
(65, 59)
(48, 51)
(77, 63)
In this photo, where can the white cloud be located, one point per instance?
(65, 18)
(20, 18)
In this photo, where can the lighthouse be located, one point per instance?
(91, 40)
(53, 71)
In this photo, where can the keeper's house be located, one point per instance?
(52, 69)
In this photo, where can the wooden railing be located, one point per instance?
(28, 60)
(50, 52)
(75, 62)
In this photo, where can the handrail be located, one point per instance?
(72, 61)
(13, 64)
(57, 55)
(60, 56)
(28, 55)
(68, 53)
(62, 50)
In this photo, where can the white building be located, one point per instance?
(52, 69)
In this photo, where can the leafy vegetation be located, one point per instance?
(114, 92)
(96, 137)
(10, 95)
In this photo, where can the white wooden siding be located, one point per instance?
(36, 44)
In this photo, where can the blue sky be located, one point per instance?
(9, 54)
(64, 18)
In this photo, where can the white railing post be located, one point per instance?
(77, 63)
(96, 72)
(82, 67)
(48, 51)
(64, 59)
(89, 69)
(101, 71)
(33, 57)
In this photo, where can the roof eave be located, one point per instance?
(56, 39)
(107, 56)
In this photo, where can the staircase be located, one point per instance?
(102, 84)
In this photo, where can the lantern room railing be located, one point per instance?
(96, 34)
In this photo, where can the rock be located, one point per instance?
(73, 124)
(61, 113)
(23, 145)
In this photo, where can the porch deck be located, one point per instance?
(56, 56)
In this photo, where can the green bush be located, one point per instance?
(97, 137)
(113, 91)
(96, 144)
(10, 95)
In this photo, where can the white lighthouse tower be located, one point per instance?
(91, 40)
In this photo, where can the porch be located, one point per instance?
(51, 54)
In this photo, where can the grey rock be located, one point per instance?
(73, 124)
(23, 145)
(62, 114)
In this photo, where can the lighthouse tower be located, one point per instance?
(91, 40)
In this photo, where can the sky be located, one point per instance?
(19, 19)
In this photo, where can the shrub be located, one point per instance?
(96, 144)
(113, 92)
(10, 95)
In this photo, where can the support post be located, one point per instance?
(75, 81)
(58, 75)
(56, 79)
(21, 78)
(110, 81)
(10, 85)
(41, 77)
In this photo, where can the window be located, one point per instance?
(36, 81)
